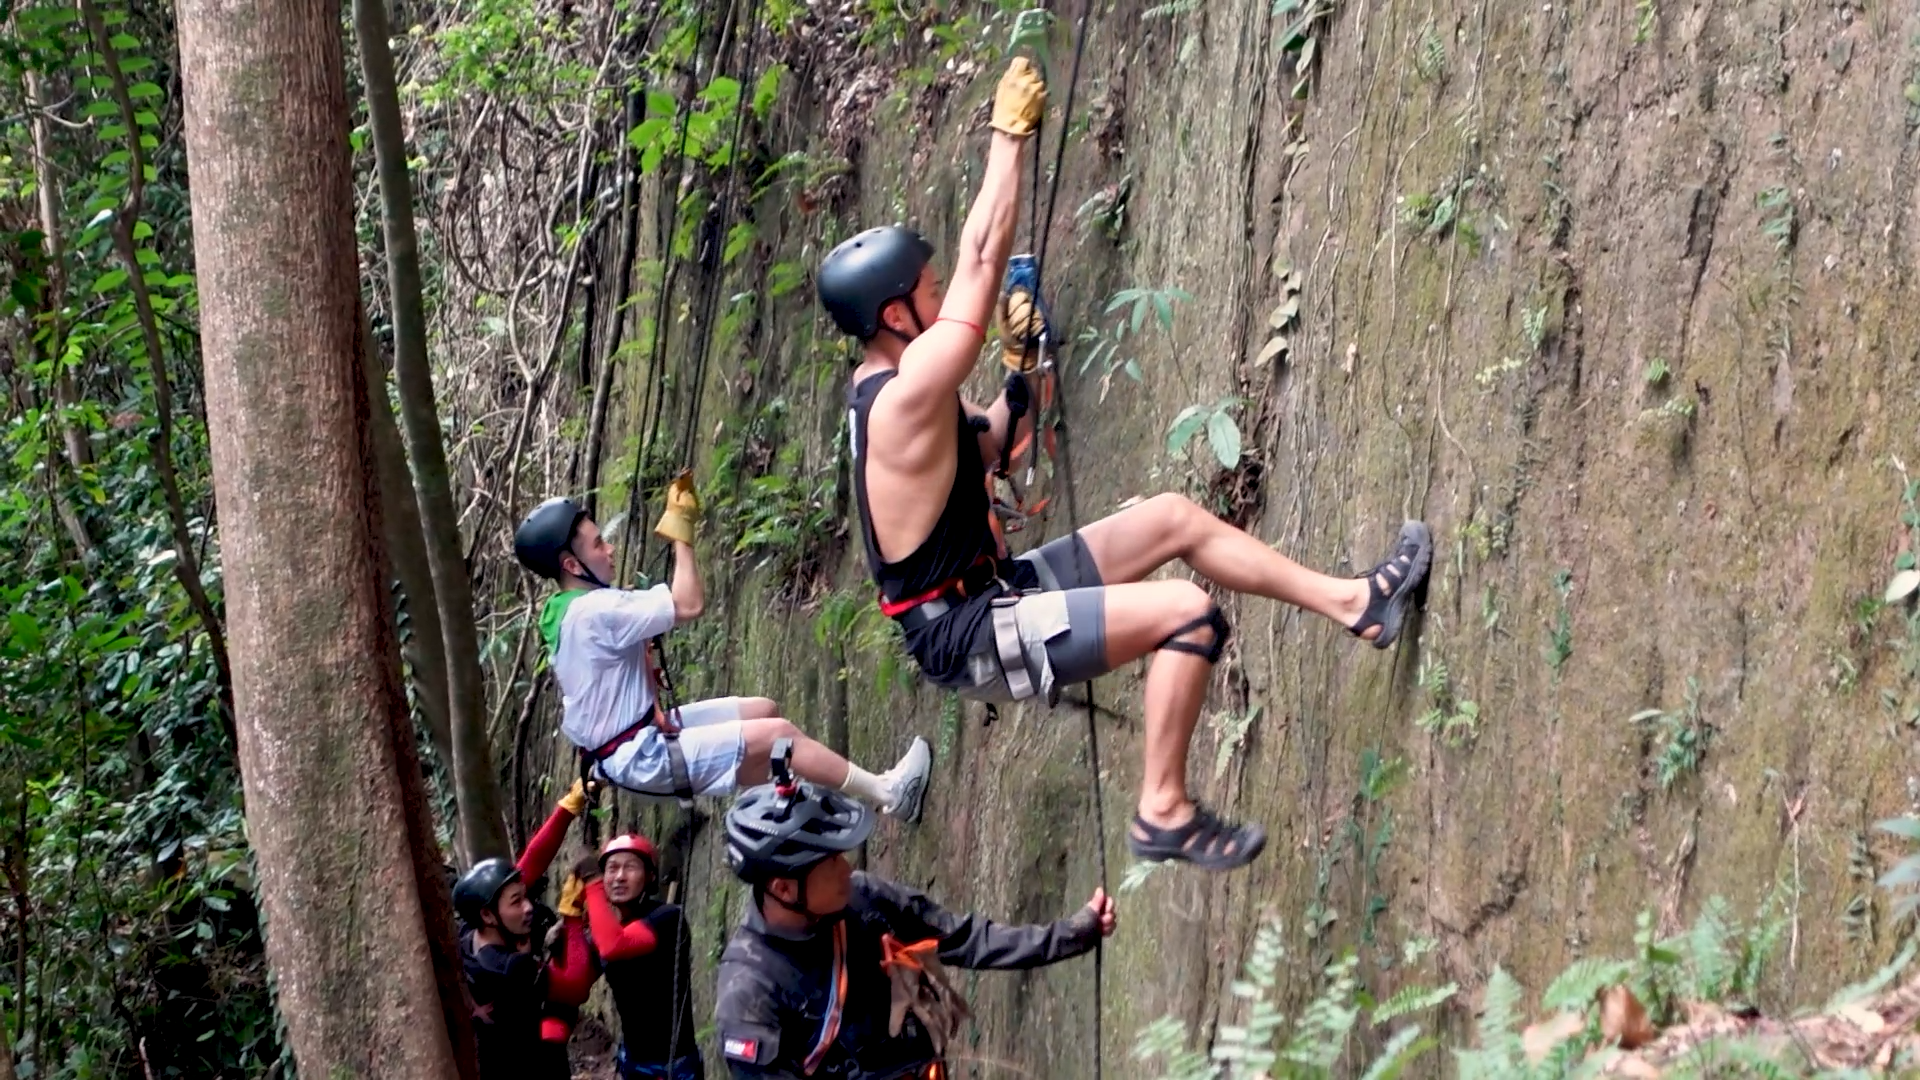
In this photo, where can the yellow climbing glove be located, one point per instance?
(1020, 326)
(1020, 100)
(571, 904)
(575, 800)
(683, 510)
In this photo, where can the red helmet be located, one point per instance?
(635, 843)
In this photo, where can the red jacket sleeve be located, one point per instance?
(545, 844)
(613, 940)
(569, 983)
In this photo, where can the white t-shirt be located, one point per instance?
(601, 661)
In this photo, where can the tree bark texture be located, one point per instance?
(316, 675)
(476, 781)
(425, 650)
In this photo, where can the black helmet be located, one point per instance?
(546, 534)
(775, 832)
(479, 887)
(864, 274)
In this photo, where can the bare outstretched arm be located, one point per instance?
(939, 360)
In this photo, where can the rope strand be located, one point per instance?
(1073, 508)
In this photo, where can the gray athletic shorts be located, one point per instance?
(1062, 630)
(712, 739)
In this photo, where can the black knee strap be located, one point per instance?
(1222, 630)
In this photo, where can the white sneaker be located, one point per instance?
(908, 781)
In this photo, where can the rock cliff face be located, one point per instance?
(1618, 298)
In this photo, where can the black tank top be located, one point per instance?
(960, 535)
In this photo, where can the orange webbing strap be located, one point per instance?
(893, 954)
(830, 1028)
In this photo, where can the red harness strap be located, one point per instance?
(893, 609)
(667, 722)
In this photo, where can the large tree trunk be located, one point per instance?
(424, 649)
(349, 922)
(476, 782)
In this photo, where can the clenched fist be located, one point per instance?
(1021, 99)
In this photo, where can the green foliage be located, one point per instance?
(1216, 422)
(1680, 737)
(1308, 19)
(127, 873)
(1437, 215)
(1902, 878)
(1499, 1053)
(850, 623)
(1315, 1040)
(1574, 988)
(1137, 874)
(1448, 717)
(1646, 16)
(1137, 310)
(1232, 729)
(1560, 634)
(1777, 223)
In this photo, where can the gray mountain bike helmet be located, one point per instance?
(777, 831)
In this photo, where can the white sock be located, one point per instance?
(863, 785)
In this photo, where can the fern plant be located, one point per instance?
(1315, 1041)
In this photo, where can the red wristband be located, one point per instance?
(975, 327)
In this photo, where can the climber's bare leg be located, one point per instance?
(1135, 542)
(1140, 616)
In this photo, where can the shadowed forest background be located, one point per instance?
(1618, 297)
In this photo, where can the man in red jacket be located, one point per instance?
(645, 948)
(510, 980)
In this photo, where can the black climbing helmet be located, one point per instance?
(480, 887)
(775, 832)
(546, 534)
(866, 273)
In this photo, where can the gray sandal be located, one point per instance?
(1205, 841)
(1405, 571)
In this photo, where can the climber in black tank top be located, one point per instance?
(1001, 629)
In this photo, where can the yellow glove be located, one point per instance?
(1020, 326)
(1020, 100)
(683, 510)
(575, 800)
(572, 894)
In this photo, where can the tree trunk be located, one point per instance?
(424, 649)
(476, 782)
(350, 925)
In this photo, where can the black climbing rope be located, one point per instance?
(1039, 230)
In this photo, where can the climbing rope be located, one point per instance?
(1039, 230)
(652, 412)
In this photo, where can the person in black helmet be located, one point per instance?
(507, 975)
(836, 973)
(1001, 630)
(597, 638)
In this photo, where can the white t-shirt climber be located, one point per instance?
(600, 661)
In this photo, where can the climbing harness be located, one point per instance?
(1023, 278)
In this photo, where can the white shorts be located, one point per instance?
(711, 739)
